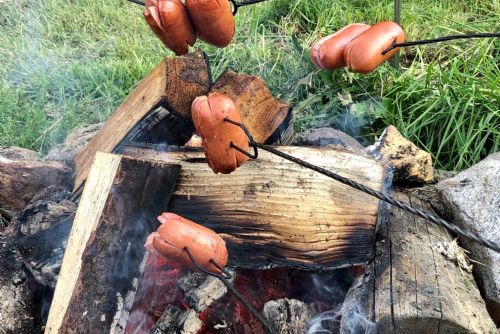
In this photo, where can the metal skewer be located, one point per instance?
(442, 39)
(236, 5)
(225, 279)
(380, 195)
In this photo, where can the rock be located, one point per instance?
(18, 153)
(472, 200)
(20, 180)
(288, 316)
(74, 142)
(329, 137)
(410, 163)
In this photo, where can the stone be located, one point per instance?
(409, 162)
(73, 144)
(288, 316)
(20, 180)
(329, 137)
(18, 153)
(472, 200)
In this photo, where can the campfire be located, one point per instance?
(305, 253)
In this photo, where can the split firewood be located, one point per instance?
(159, 109)
(171, 86)
(413, 288)
(103, 257)
(273, 212)
(261, 113)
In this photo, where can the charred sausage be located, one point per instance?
(170, 21)
(328, 52)
(208, 116)
(213, 20)
(364, 53)
(176, 233)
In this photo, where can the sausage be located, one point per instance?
(328, 52)
(170, 21)
(364, 53)
(213, 20)
(176, 233)
(208, 117)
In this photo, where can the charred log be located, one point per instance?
(105, 250)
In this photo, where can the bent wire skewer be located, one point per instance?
(224, 278)
(380, 195)
(441, 39)
(236, 5)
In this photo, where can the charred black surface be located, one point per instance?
(114, 253)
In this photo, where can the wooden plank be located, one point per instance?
(418, 290)
(271, 211)
(116, 213)
(174, 83)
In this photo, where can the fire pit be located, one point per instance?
(308, 253)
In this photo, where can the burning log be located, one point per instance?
(105, 250)
(414, 288)
(273, 212)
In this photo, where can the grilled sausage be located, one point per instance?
(176, 233)
(170, 21)
(364, 53)
(208, 116)
(213, 20)
(328, 52)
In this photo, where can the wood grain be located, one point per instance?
(260, 111)
(173, 83)
(417, 289)
(117, 211)
(271, 211)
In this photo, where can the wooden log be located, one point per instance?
(174, 84)
(274, 212)
(159, 109)
(20, 180)
(411, 287)
(102, 261)
(260, 111)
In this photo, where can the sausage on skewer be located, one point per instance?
(217, 135)
(176, 233)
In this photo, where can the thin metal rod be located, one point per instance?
(380, 195)
(237, 5)
(231, 288)
(442, 39)
(397, 18)
(139, 2)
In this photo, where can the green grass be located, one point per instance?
(69, 63)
